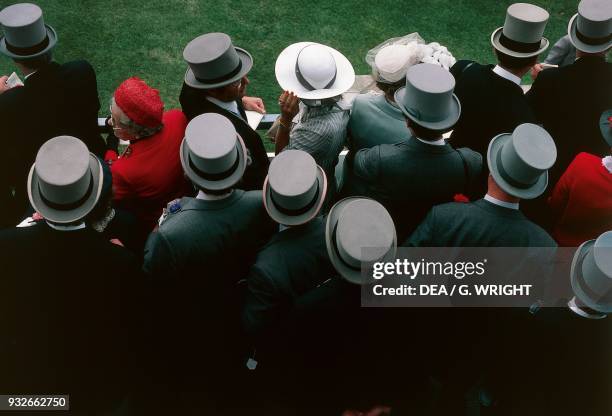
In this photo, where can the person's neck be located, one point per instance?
(502, 196)
(518, 72)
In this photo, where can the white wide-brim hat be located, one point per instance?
(288, 80)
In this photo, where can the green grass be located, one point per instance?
(146, 38)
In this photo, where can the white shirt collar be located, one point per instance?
(209, 197)
(27, 76)
(511, 205)
(506, 74)
(60, 227)
(439, 142)
(607, 163)
(231, 106)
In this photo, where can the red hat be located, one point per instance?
(141, 103)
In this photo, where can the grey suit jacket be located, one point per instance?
(293, 263)
(562, 53)
(410, 177)
(209, 242)
(478, 224)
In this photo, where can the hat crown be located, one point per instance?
(211, 56)
(595, 18)
(317, 65)
(293, 179)
(365, 232)
(525, 22)
(23, 25)
(62, 166)
(212, 143)
(602, 254)
(392, 62)
(429, 92)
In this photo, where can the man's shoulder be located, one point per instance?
(452, 210)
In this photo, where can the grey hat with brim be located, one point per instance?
(214, 54)
(428, 98)
(203, 128)
(71, 210)
(519, 165)
(523, 30)
(352, 273)
(591, 273)
(313, 192)
(606, 127)
(594, 18)
(26, 23)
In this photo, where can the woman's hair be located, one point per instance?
(135, 128)
(389, 89)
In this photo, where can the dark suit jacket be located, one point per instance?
(490, 105)
(410, 177)
(194, 102)
(478, 224)
(569, 101)
(56, 100)
(69, 311)
(293, 263)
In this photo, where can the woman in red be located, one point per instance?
(148, 174)
(582, 199)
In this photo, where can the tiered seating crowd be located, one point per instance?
(188, 272)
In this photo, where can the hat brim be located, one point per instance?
(73, 215)
(531, 192)
(51, 33)
(605, 128)
(247, 65)
(352, 275)
(577, 281)
(441, 125)
(221, 184)
(288, 81)
(585, 47)
(495, 42)
(293, 220)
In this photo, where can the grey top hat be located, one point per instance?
(605, 125)
(295, 188)
(591, 273)
(590, 30)
(65, 182)
(519, 161)
(213, 155)
(359, 230)
(428, 99)
(214, 61)
(521, 35)
(25, 33)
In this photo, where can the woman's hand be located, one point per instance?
(289, 107)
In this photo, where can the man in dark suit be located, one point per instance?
(201, 251)
(409, 177)
(54, 100)
(518, 164)
(70, 299)
(492, 101)
(216, 82)
(569, 100)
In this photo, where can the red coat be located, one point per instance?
(582, 201)
(149, 173)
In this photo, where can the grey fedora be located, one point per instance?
(213, 154)
(65, 181)
(294, 189)
(25, 33)
(605, 125)
(214, 61)
(522, 33)
(590, 30)
(519, 161)
(428, 99)
(591, 273)
(359, 230)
